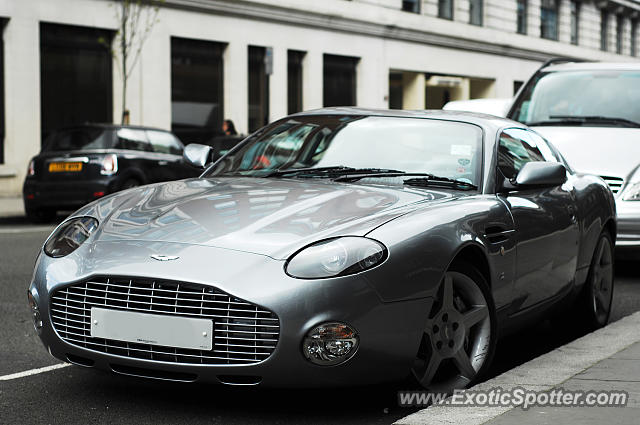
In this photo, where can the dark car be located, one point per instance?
(80, 164)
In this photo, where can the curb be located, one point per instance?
(540, 374)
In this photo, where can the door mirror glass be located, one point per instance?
(541, 173)
(197, 155)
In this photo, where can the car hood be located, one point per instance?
(272, 217)
(604, 151)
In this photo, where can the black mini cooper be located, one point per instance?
(80, 164)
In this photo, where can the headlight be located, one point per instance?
(330, 343)
(631, 193)
(336, 257)
(69, 236)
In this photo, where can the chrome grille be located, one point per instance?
(244, 333)
(615, 183)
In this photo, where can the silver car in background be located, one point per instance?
(591, 113)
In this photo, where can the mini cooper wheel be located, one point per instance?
(594, 304)
(459, 336)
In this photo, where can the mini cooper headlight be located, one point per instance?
(336, 257)
(631, 193)
(330, 343)
(69, 236)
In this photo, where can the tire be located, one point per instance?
(459, 339)
(41, 215)
(593, 306)
(129, 183)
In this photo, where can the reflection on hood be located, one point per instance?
(264, 216)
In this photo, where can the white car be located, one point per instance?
(497, 107)
(591, 113)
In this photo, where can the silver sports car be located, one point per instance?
(334, 247)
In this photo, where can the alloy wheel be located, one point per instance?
(601, 283)
(457, 336)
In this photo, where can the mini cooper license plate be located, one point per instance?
(154, 329)
(58, 167)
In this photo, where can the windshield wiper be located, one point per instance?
(336, 172)
(308, 171)
(585, 119)
(431, 180)
(424, 179)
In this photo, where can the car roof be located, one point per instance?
(483, 120)
(593, 66)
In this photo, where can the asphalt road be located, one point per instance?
(74, 395)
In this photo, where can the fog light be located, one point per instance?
(35, 312)
(330, 343)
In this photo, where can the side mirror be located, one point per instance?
(197, 155)
(541, 174)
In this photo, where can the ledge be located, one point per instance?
(7, 171)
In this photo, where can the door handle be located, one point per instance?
(162, 162)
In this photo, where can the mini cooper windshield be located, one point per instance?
(350, 148)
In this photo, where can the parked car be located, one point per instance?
(497, 106)
(591, 113)
(80, 164)
(334, 247)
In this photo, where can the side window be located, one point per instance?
(164, 142)
(517, 147)
(132, 139)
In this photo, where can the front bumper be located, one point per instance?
(389, 333)
(65, 195)
(628, 222)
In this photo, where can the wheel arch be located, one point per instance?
(474, 254)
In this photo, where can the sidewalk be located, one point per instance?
(605, 360)
(11, 206)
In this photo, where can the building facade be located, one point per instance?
(253, 61)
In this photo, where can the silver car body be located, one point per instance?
(533, 248)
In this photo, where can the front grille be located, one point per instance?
(615, 183)
(244, 333)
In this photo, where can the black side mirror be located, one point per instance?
(197, 155)
(541, 174)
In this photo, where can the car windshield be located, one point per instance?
(448, 149)
(79, 139)
(586, 97)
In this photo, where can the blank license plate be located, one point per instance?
(57, 167)
(155, 329)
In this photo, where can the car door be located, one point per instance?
(545, 222)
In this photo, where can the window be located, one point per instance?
(75, 77)
(445, 9)
(294, 81)
(549, 19)
(2, 22)
(196, 89)
(517, 147)
(574, 7)
(634, 38)
(516, 86)
(619, 33)
(258, 88)
(132, 139)
(339, 76)
(78, 139)
(476, 12)
(396, 94)
(411, 6)
(604, 30)
(522, 16)
(164, 142)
